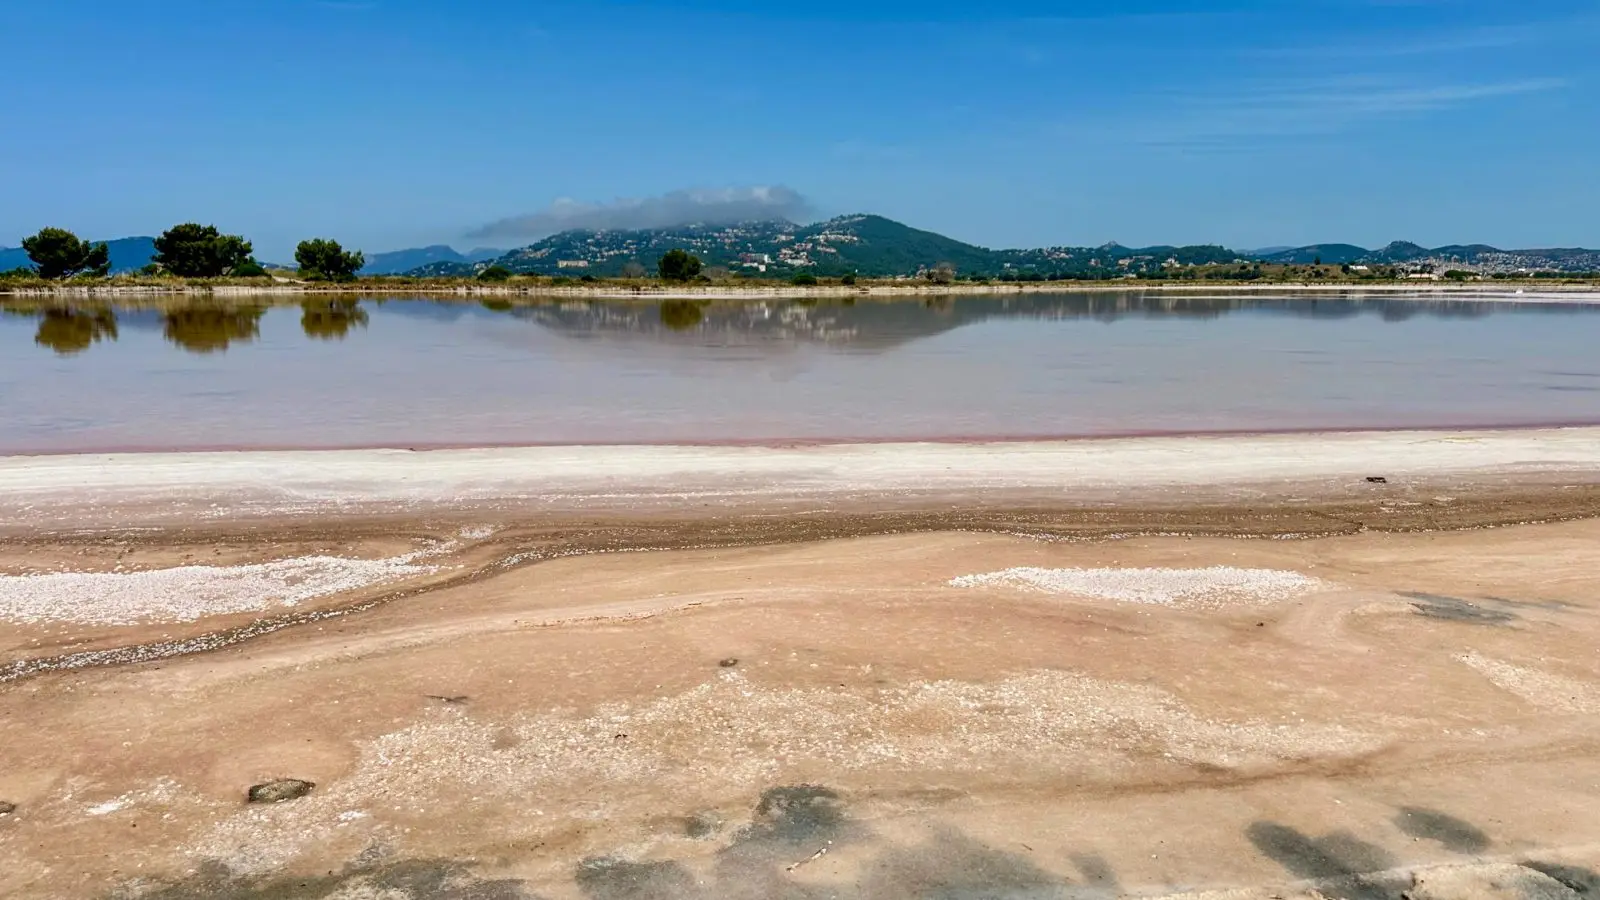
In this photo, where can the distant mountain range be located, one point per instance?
(873, 246)
(1480, 257)
(862, 244)
(398, 262)
(127, 255)
(134, 253)
(877, 247)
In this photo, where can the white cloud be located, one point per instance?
(714, 206)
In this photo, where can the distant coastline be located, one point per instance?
(1521, 290)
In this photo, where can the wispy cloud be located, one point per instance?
(713, 206)
(1434, 43)
(1316, 107)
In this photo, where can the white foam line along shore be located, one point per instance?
(35, 489)
(1210, 588)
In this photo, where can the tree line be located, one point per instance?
(189, 250)
(192, 250)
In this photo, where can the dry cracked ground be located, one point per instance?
(489, 712)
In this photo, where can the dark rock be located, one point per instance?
(7, 809)
(1377, 479)
(729, 663)
(702, 826)
(281, 790)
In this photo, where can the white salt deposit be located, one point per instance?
(1210, 588)
(1546, 690)
(188, 593)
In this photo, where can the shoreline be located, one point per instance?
(1518, 292)
(1248, 641)
(111, 490)
(800, 443)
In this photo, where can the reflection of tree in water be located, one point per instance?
(682, 315)
(70, 331)
(208, 329)
(331, 320)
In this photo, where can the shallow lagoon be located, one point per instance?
(412, 372)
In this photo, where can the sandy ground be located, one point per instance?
(189, 489)
(1105, 691)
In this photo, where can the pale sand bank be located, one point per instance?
(704, 723)
(637, 478)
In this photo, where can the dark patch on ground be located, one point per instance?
(768, 859)
(1454, 609)
(7, 809)
(1584, 881)
(799, 815)
(953, 866)
(702, 826)
(1097, 873)
(421, 880)
(1339, 855)
(1456, 835)
(609, 878)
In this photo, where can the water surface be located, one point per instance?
(415, 372)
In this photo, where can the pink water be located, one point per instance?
(423, 373)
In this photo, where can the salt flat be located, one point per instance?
(1187, 666)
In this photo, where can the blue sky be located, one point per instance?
(391, 123)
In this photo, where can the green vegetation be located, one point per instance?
(57, 253)
(678, 265)
(200, 251)
(321, 259)
(843, 251)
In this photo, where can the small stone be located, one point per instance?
(1377, 479)
(281, 790)
(7, 809)
(729, 663)
(702, 826)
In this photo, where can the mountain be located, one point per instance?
(127, 255)
(1477, 257)
(867, 245)
(1331, 254)
(396, 262)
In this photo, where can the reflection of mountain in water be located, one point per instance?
(874, 325)
(772, 325)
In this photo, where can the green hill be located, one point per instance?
(866, 245)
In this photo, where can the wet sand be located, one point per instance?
(1158, 667)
